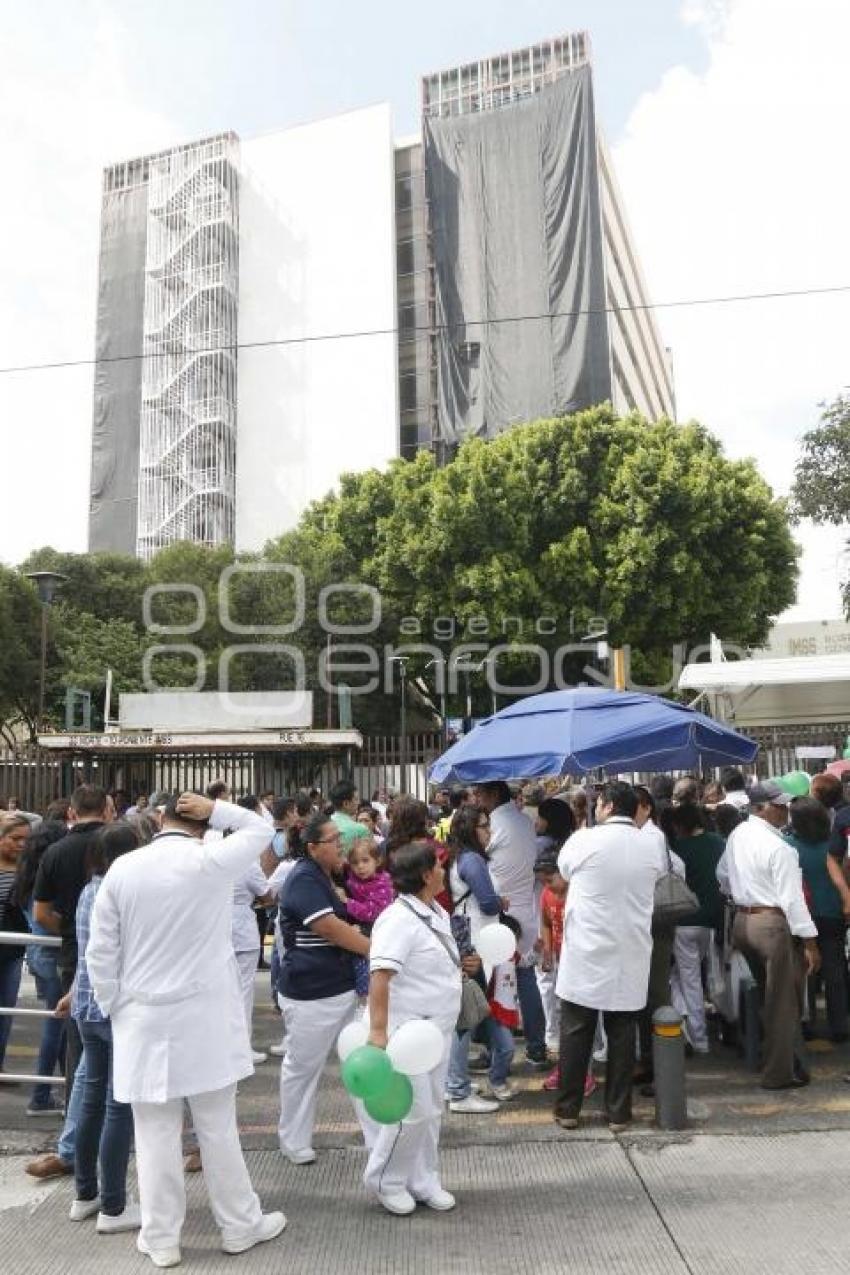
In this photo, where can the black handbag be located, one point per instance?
(674, 899)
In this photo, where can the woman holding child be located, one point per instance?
(317, 985)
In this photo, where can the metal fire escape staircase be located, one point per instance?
(188, 410)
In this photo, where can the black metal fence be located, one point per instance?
(35, 776)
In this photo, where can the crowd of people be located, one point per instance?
(377, 909)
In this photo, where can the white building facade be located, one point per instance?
(268, 314)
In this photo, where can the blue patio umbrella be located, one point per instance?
(576, 731)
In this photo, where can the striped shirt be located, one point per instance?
(312, 968)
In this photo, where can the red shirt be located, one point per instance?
(552, 910)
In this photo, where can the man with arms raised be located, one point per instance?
(178, 1019)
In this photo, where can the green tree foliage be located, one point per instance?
(821, 488)
(20, 647)
(648, 526)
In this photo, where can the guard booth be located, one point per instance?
(181, 741)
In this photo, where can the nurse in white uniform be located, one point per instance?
(415, 974)
(178, 1018)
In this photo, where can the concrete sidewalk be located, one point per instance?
(707, 1206)
(756, 1184)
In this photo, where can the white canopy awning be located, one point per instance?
(738, 675)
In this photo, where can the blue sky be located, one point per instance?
(264, 64)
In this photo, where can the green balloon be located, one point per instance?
(796, 782)
(367, 1071)
(393, 1103)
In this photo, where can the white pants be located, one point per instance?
(551, 1005)
(310, 1030)
(247, 962)
(690, 947)
(159, 1167)
(405, 1156)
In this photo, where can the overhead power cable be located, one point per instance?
(413, 333)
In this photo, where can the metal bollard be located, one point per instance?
(668, 1060)
(749, 1019)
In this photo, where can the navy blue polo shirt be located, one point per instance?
(312, 968)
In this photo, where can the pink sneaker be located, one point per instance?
(590, 1085)
(552, 1080)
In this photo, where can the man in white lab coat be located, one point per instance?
(178, 1019)
(512, 852)
(611, 870)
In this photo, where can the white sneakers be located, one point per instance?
(473, 1105)
(270, 1226)
(402, 1203)
(399, 1202)
(502, 1093)
(278, 1050)
(441, 1201)
(161, 1257)
(81, 1209)
(257, 1057)
(306, 1155)
(129, 1220)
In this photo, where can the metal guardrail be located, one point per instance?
(17, 939)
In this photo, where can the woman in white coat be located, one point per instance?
(415, 973)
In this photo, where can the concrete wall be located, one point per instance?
(317, 257)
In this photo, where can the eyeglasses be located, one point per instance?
(327, 841)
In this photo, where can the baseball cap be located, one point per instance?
(769, 793)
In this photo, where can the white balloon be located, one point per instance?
(352, 1036)
(415, 1047)
(495, 944)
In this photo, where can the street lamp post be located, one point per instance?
(441, 662)
(401, 660)
(46, 582)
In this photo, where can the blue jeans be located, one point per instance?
(531, 1008)
(500, 1044)
(10, 981)
(51, 1050)
(73, 1105)
(100, 1113)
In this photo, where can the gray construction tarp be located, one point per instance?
(118, 373)
(514, 205)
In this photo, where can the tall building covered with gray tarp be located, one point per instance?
(516, 241)
(113, 508)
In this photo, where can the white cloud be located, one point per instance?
(65, 112)
(736, 182)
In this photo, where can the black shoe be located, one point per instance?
(539, 1062)
(647, 1091)
(643, 1076)
(797, 1082)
